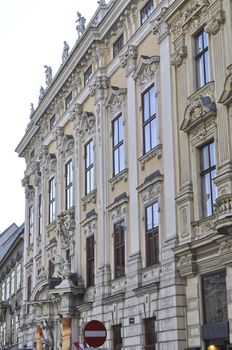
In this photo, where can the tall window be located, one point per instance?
(3, 291)
(52, 200)
(119, 250)
(117, 338)
(29, 288)
(68, 100)
(12, 331)
(40, 215)
(17, 327)
(12, 282)
(4, 333)
(87, 75)
(52, 121)
(89, 168)
(118, 145)
(202, 58)
(208, 173)
(8, 287)
(152, 234)
(18, 276)
(68, 185)
(51, 269)
(214, 297)
(149, 333)
(149, 119)
(118, 45)
(90, 261)
(31, 224)
(146, 11)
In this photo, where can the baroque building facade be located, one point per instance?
(128, 182)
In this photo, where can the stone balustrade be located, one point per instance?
(223, 211)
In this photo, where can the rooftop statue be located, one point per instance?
(41, 93)
(32, 110)
(81, 24)
(65, 52)
(101, 2)
(48, 75)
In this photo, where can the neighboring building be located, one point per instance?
(124, 220)
(11, 261)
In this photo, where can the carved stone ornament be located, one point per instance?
(215, 23)
(128, 59)
(202, 106)
(65, 225)
(38, 174)
(116, 101)
(50, 163)
(226, 97)
(76, 113)
(185, 260)
(225, 247)
(29, 189)
(119, 213)
(67, 146)
(159, 26)
(147, 70)
(58, 134)
(100, 84)
(90, 227)
(179, 55)
(87, 125)
(151, 193)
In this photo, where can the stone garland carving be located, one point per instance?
(216, 22)
(50, 163)
(116, 102)
(151, 193)
(203, 228)
(67, 146)
(87, 125)
(179, 55)
(100, 84)
(90, 227)
(147, 70)
(29, 189)
(119, 212)
(160, 27)
(185, 260)
(75, 114)
(128, 60)
(225, 247)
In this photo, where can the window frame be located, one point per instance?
(90, 257)
(12, 282)
(198, 56)
(116, 335)
(118, 45)
(120, 144)
(31, 224)
(52, 121)
(89, 167)
(40, 216)
(68, 185)
(119, 249)
(149, 334)
(68, 100)
(146, 8)
(88, 74)
(18, 275)
(8, 287)
(152, 236)
(149, 120)
(51, 200)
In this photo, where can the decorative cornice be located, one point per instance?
(128, 59)
(116, 101)
(87, 125)
(146, 70)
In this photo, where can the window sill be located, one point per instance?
(203, 227)
(151, 274)
(118, 285)
(155, 152)
(123, 175)
(90, 197)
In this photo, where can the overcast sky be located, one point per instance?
(31, 36)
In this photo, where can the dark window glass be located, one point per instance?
(152, 234)
(68, 185)
(32, 154)
(202, 58)
(31, 224)
(150, 333)
(87, 75)
(208, 173)
(118, 145)
(51, 269)
(90, 261)
(68, 100)
(146, 11)
(118, 45)
(40, 215)
(119, 250)
(52, 121)
(28, 291)
(68, 256)
(117, 338)
(214, 297)
(52, 200)
(149, 120)
(89, 167)
(12, 330)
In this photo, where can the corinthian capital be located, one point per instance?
(160, 27)
(128, 60)
(100, 84)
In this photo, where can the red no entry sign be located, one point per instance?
(95, 333)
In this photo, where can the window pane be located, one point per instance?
(153, 133)
(212, 154)
(149, 217)
(205, 158)
(116, 162)
(200, 72)
(120, 122)
(205, 39)
(152, 101)
(207, 209)
(121, 157)
(207, 70)
(156, 214)
(214, 188)
(146, 111)
(147, 138)
(199, 44)
(115, 132)
(91, 179)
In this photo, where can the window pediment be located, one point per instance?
(146, 70)
(87, 125)
(201, 107)
(116, 101)
(226, 97)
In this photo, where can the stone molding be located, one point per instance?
(29, 189)
(226, 96)
(89, 198)
(147, 70)
(155, 152)
(179, 56)
(123, 175)
(216, 22)
(128, 59)
(203, 227)
(116, 102)
(160, 27)
(87, 125)
(187, 265)
(100, 84)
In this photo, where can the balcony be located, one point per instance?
(223, 211)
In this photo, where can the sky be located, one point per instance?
(32, 33)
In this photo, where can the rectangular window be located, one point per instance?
(40, 215)
(31, 224)
(68, 101)
(118, 145)
(3, 291)
(18, 276)
(149, 119)
(152, 234)
(51, 269)
(29, 288)
(214, 297)
(88, 74)
(52, 121)
(12, 330)
(12, 282)
(17, 327)
(118, 45)
(202, 58)
(208, 173)
(52, 200)
(90, 261)
(149, 333)
(117, 338)
(119, 250)
(8, 287)
(4, 333)
(68, 185)
(146, 11)
(89, 167)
